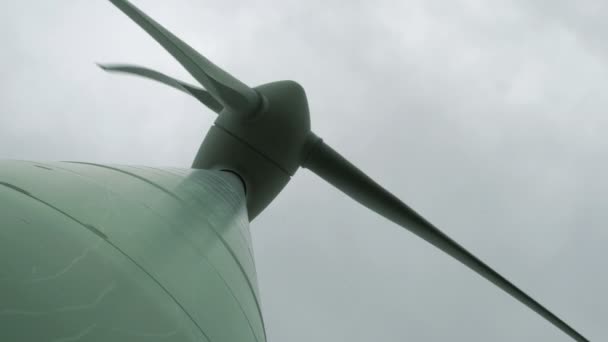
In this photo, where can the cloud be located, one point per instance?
(488, 118)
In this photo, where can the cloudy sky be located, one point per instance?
(486, 117)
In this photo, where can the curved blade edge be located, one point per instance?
(197, 92)
(228, 90)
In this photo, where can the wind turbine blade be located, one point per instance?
(199, 93)
(335, 169)
(230, 92)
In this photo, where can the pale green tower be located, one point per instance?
(113, 253)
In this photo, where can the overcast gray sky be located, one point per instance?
(488, 117)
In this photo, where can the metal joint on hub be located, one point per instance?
(265, 148)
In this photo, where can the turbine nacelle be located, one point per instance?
(280, 129)
(264, 148)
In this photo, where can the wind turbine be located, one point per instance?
(263, 136)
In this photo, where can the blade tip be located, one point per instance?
(102, 66)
